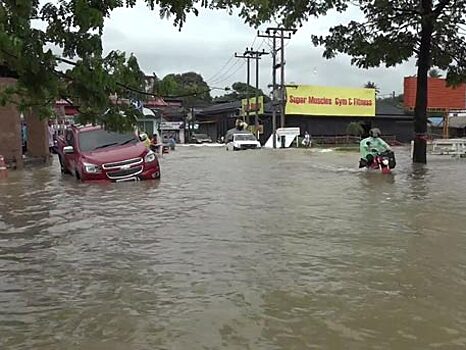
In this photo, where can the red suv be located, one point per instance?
(93, 154)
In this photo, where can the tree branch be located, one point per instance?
(440, 7)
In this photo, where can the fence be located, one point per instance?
(348, 140)
(335, 140)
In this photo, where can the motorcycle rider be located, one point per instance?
(144, 139)
(371, 146)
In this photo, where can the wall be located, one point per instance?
(323, 126)
(10, 130)
(38, 144)
(402, 128)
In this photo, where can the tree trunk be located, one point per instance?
(423, 65)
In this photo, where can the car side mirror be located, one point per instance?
(68, 149)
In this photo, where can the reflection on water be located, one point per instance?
(236, 250)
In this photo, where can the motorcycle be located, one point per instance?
(384, 161)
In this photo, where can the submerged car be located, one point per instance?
(95, 154)
(201, 138)
(242, 141)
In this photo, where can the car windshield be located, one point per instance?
(245, 137)
(99, 139)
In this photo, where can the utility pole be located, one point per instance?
(248, 80)
(256, 55)
(278, 34)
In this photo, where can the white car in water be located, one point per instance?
(242, 141)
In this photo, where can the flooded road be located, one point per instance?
(264, 250)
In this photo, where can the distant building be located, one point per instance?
(446, 106)
(440, 97)
(391, 118)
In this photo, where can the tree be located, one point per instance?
(77, 70)
(240, 91)
(435, 73)
(372, 85)
(392, 32)
(355, 129)
(190, 87)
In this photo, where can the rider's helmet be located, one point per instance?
(143, 136)
(374, 132)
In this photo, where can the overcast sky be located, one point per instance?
(207, 43)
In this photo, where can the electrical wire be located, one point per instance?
(221, 77)
(233, 73)
(221, 69)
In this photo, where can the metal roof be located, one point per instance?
(383, 109)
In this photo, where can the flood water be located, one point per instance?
(286, 249)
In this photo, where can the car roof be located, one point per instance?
(85, 128)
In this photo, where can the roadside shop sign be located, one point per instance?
(252, 106)
(171, 125)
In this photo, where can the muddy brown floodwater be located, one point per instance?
(289, 249)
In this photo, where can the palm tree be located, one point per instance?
(435, 73)
(372, 85)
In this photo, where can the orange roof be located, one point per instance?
(439, 95)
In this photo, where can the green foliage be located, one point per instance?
(240, 91)
(189, 87)
(355, 129)
(372, 85)
(390, 34)
(77, 70)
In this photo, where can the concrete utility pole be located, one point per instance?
(270, 33)
(256, 55)
(279, 34)
(248, 79)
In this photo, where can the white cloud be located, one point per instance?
(208, 41)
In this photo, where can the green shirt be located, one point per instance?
(369, 144)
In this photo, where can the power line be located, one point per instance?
(232, 73)
(222, 75)
(218, 72)
(227, 73)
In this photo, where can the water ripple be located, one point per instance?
(236, 250)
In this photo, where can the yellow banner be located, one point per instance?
(330, 101)
(252, 105)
